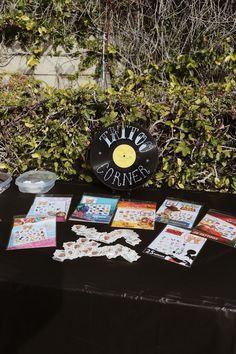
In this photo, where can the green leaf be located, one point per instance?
(32, 61)
(42, 30)
(36, 155)
(29, 125)
(111, 50)
(130, 73)
(210, 154)
(159, 175)
(88, 179)
(3, 166)
(193, 107)
(179, 162)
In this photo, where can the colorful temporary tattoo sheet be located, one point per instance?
(217, 227)
(135, 215)
(176, 245)
(178, 212)
(32, 232)
(51, 205)
(97, 209)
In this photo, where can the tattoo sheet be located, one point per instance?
(32, 232)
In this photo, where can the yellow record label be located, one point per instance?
(124, 156)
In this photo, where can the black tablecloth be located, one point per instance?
(96, 305)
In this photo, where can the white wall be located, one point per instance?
(53, 70)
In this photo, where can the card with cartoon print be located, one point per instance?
(180, 213)
(218, 227)
(51, 205)
(176, 245)
(32, 232)
(135, 215)
(95, 208)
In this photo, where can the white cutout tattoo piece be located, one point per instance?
(131, 237)
(89, 245)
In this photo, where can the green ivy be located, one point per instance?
(194, 126)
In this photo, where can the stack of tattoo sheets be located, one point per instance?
(38, 228)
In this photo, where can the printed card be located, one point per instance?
(97, 209)
(178, 213)
(51, 205)
(32, 232)
(176, 245)
(135, 215)
(217, 227)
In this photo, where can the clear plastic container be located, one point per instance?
(36, 181)
(5, 181)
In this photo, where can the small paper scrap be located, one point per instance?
(90, 248)
(131, 237)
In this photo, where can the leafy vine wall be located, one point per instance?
(169, 65)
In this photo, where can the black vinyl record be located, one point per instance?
(124, 157)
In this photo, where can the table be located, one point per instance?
(111, 306)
